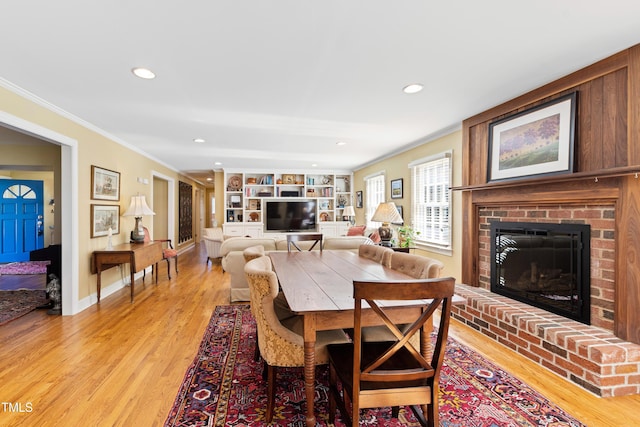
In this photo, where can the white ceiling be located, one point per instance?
(278, 83)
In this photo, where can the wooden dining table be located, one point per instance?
(319, 287)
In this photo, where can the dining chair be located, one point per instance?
(391, 373)
(167, 250)
(379, 254)
(292, 239)
(415, 266)
(280, 345)
(251, 253)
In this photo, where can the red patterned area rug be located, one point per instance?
(14, 304)
(224, 387)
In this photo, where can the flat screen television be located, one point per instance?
(290, 215)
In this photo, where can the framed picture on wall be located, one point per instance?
(358, 199)
(537, 141)
(105, 184)
(396, 188)
(105, 218)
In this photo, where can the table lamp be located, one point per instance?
(138, 208)
(386, 213)
(349, 213)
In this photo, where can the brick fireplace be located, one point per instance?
(588, 355)
(601, 188)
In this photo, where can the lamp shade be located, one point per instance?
(138, 207)
(349, 211)
(387, 213)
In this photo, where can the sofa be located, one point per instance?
(213, 240)
(233, 261)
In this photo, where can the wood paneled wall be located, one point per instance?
(606, 157)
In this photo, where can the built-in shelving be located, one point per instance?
(245, 192)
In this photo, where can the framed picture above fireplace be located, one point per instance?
(537, 141)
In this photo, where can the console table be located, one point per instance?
(138, 255)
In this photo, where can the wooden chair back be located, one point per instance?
(394, 373)
(292, 240)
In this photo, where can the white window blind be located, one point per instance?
(431, 206)
(374, 186)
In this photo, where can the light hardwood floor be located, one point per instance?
(121, 364)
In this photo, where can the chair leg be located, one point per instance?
(271, 392)
(176, 265)
(168, 268)
(333, 380)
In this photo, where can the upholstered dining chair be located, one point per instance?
(391, 373)
(379, 254)
(293, 239)
(280, 345)
(167, 250)
(416, 266)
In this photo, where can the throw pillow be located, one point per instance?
(375, 237)
(357, 230)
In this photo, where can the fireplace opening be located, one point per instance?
(544, 265)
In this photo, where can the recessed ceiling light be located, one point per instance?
(413, 88)
(217, 163)
(198, 140)
(143, 73)
(314, 165)
(209, 179)
(341, 143)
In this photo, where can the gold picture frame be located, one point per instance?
(103, 218)
(105, 184)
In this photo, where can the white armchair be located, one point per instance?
(213, 240)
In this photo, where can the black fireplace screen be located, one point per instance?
(545, 265)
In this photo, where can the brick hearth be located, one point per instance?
(589, 356)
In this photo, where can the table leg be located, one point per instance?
(310, 366)
(133, 278)
(98, 282)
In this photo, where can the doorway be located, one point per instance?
(21, 219)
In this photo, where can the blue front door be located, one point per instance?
(21, 219)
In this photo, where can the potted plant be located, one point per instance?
(407, 236)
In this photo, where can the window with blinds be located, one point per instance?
(374, 186)
(431, 205)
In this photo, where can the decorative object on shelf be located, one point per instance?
(235, 183)
(386, 213)
(358, 199)
(537, 141)
(350, 213)
(110, 241)
(251, 180)
(396, 188)
(407, 236)
(235, 201)
(342, 201)
(288, 179)
(324, 216)
(103, 219)
(138, 208)
(254, 216)
(278, 181)
(105, 184)
(327, 180)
